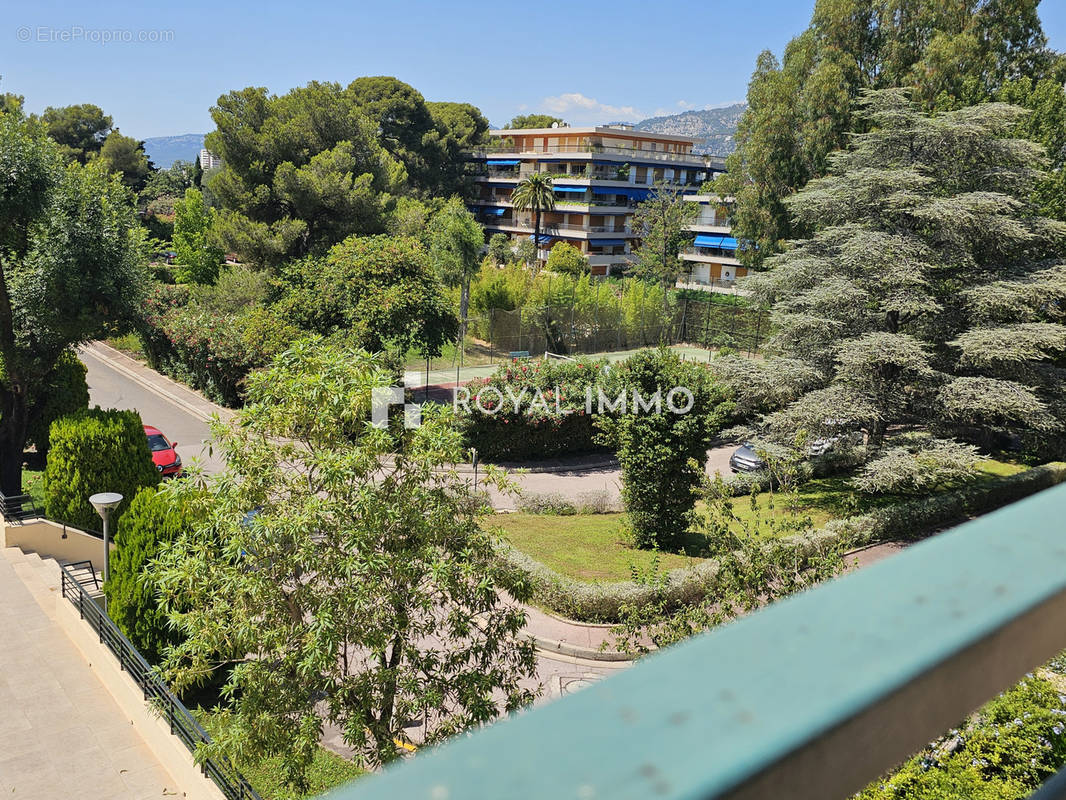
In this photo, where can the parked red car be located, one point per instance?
(164, 452)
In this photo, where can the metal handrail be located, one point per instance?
(18, 507)
(636, 154)
(182, 724)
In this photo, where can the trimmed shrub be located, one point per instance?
(95, 451)
(558, 426)
(662, 449)
(916, 519)
(154, 519)
(65, 392)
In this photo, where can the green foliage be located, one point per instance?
(64, 392)
(566, 258)
(949, 53)
(70, 270)
(500, 249)
(455, 239)
(532, 121)
(301, 171)
(198, 257)
(532, 410)
(918, 467)
(79, 130)
(901, 311)
(153, 521)
(422, 632)
(534, 193)
(125, 157)
(208, 345)
(458, 128)
(662, 220)
(170, 182)
(662, 450)
(1006, 750)
(380, 290)
(95, 451)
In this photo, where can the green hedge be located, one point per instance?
(916, 519)
(154, 519)
(501, 434)
(208, 349)
(95, 451)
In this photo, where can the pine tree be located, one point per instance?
(928, 294)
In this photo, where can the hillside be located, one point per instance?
(165, 150)
(715, 126)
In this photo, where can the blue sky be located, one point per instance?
(586, 65)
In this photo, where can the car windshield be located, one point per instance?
(156, 442)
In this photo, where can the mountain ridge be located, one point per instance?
(165, 150)
(715, 127)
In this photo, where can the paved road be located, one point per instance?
(111, 388)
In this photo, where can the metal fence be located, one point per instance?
(595, 324)
(182, 724)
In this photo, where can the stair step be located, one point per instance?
(14, 555)
(41, 592)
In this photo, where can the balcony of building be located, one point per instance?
(499, 150)
(812, 697)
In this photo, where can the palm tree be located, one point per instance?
(534, 193)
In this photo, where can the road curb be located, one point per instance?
(552, 647)
(99, 350)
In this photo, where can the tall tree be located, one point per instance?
(534, 193)
(79, 130)
(70, 269)
(532, 121)
(382, 292)
(362, 594)
(925, 295)
(300, 172)
(950, 53)
(459, 127)
(198, 257)
(662, 222)
(125, 156)
(455, 241)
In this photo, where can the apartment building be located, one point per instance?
(209, 160)
(600, 174)
(711, 260)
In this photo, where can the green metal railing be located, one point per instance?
(813, 697)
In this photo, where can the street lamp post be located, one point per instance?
(105, 503)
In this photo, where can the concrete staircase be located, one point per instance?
(40, 575)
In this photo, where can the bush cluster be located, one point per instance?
(535, 430)
(601, 602)
(210, 349)
(65, 392)
(95, 451)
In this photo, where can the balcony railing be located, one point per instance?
(182, 724)
(812, 697)
(711, 162)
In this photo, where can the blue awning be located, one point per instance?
(495, 211)
(607, 242)
(573, 189)
(728, 243)
(704, 240)
(636, 194)
(502, 163)
(543, 239)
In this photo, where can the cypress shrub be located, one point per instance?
(95, 451)
(154, 519)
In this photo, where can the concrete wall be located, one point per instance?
(166, 747)
(55, 541)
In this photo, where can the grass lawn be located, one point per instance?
(328, 770)
(130, 344)
(592, 547)
(33, 484)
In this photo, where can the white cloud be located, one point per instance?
(685, 105)
(578, 109)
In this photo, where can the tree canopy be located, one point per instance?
(532, 121)
(362, 593)
(70, 269)
(928, 294)
(79, 130)
(949, 53)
